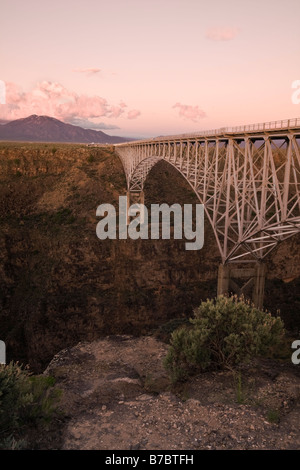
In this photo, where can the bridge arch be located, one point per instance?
(141, 172)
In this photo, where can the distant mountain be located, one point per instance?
(47, 129)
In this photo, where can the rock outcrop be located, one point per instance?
(117, 396)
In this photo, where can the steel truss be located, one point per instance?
(248, 179)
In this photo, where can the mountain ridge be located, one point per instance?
(36, 128)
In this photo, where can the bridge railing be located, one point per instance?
(264, 126)
(283, 124)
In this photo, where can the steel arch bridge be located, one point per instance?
(247, 177)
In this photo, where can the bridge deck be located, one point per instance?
(272, 129)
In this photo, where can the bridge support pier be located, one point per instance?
(134, 197)
(248, 281)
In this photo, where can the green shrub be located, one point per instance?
(24, 400)
(43, 399)
(10, 443)
(63, 216)
(164, 331)
(224, 332)
(91, 158)
(273, 416)
(14, 395)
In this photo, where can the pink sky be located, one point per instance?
(150, 67)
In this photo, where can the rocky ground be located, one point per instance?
(117, 396)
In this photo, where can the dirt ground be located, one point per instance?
(117, 396)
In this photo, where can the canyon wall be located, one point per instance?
(60, 284)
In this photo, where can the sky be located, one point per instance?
(150, 67)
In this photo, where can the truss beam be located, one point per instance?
(248, 179)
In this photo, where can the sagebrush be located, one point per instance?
(223, 333)
(25, 400)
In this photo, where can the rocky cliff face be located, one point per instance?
(60, 284)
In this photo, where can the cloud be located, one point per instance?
(86, 124)
(192, 113)
(133, 114)
(88, 71)
(222, 34)
(53, 99)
